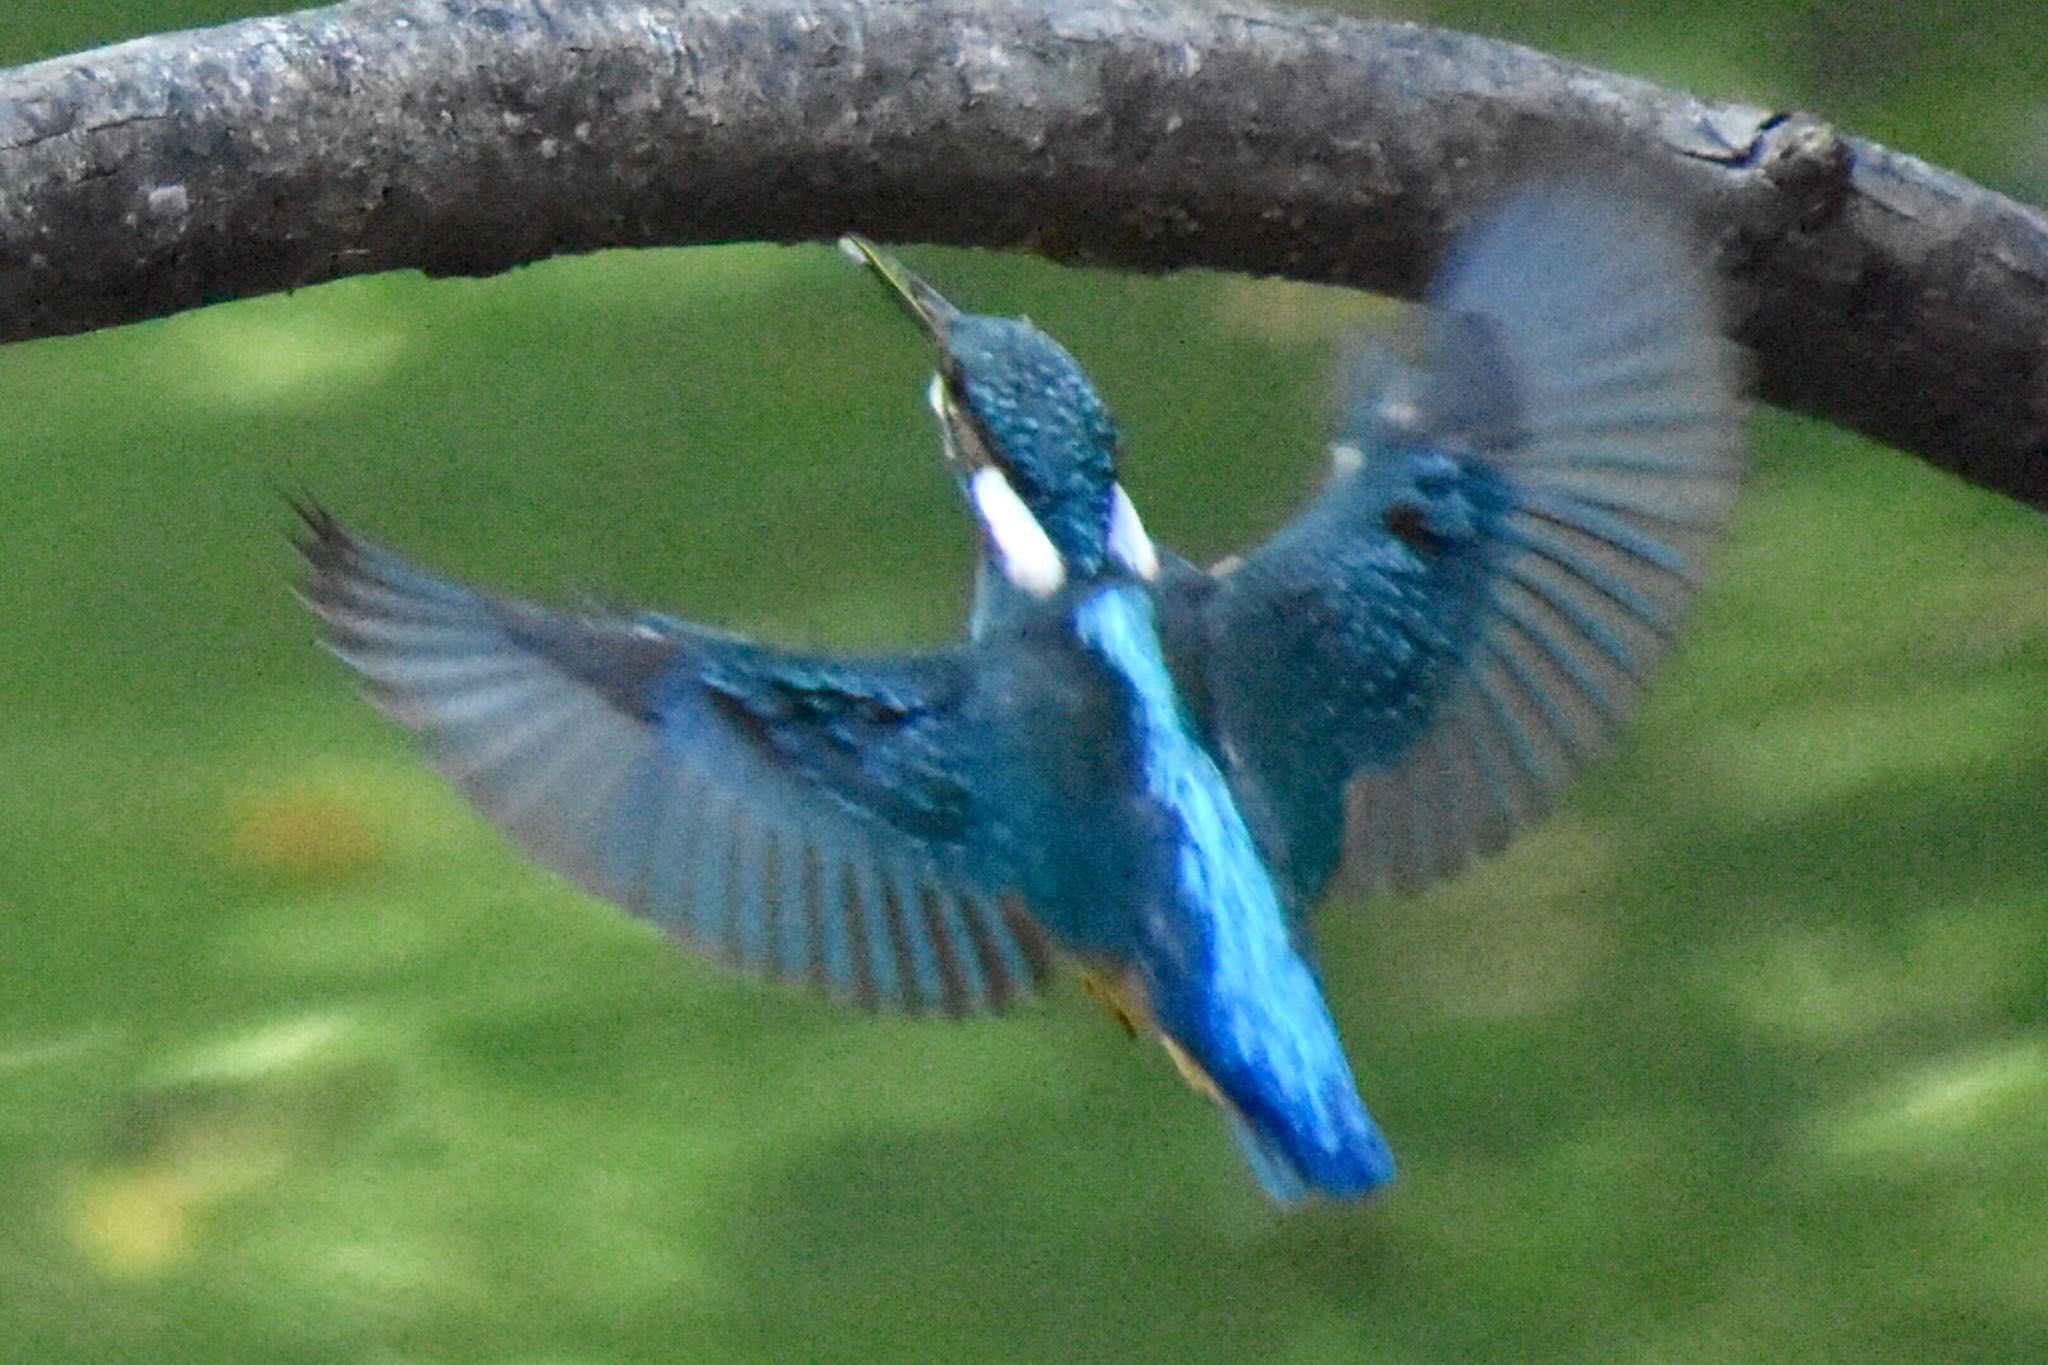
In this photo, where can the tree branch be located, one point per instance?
(467, 136)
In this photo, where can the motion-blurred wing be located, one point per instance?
(792, 816)
(1519, 520)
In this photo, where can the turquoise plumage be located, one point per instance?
(1152, 770)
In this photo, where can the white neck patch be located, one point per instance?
(1127, 539)
(1028, 558)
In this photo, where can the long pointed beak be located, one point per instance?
(920, 300)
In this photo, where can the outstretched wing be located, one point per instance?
(798, 817)
(1409, 672)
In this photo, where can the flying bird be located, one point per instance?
(1132, 764)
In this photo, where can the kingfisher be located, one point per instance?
(1145, 768)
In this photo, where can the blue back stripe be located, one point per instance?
(1238, 996)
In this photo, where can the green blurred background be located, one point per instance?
(1744, 1056)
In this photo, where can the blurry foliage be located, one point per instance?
(1743, 1056)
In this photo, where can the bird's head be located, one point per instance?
(1033, 445)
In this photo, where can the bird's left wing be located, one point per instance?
(806, 818)
(1410, 671)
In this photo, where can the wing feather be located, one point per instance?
(1411, 670)
(1621, 468)
(665, 769)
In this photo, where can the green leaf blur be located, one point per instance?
(1744, 1056)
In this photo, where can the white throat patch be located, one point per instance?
(1028, 558)
(1127, 539)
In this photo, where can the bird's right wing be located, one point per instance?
(1411, 670)
(808, 818)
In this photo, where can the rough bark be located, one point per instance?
(466, 137)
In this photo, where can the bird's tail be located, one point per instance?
(1277, 1175)
(1262, 1045)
